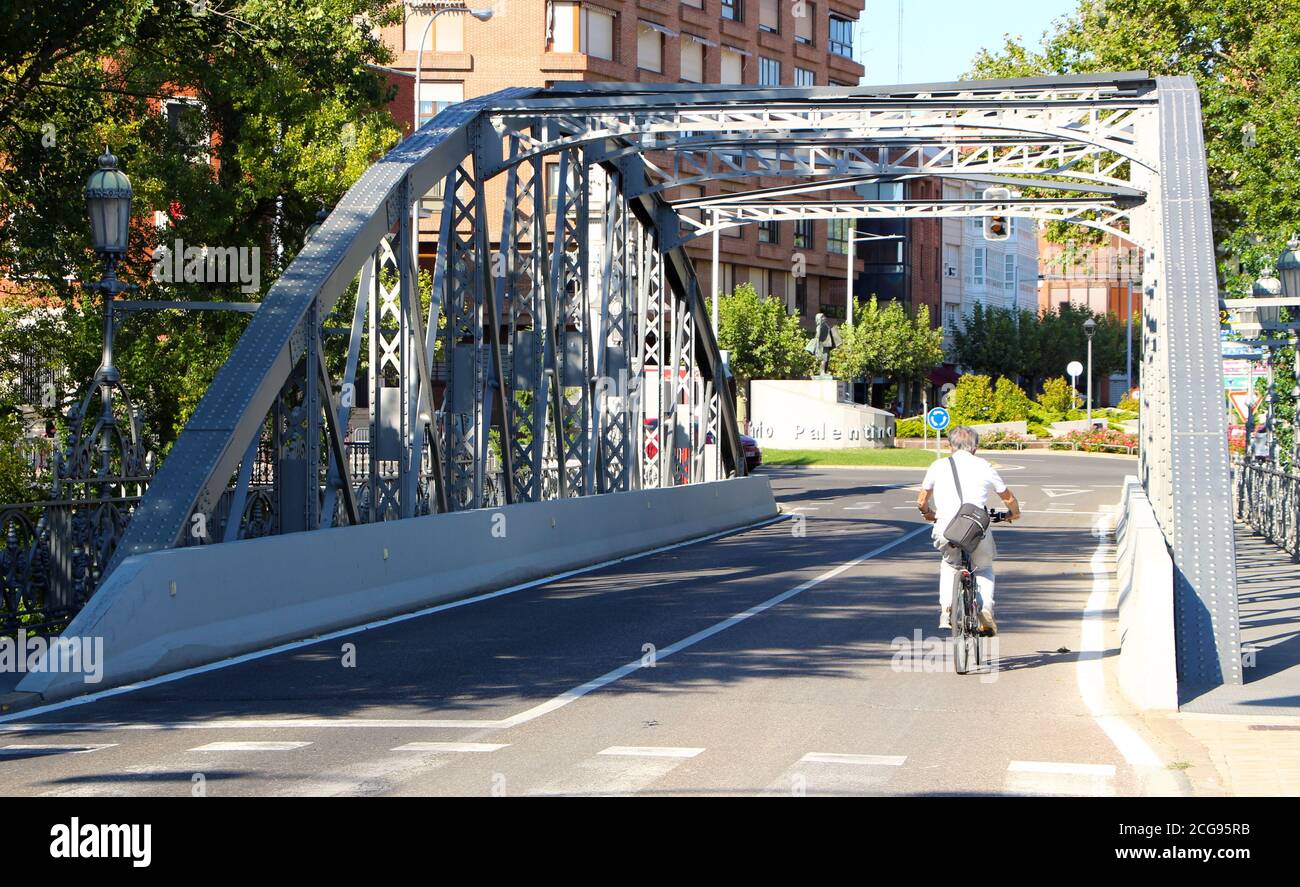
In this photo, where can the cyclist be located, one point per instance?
(977, 478)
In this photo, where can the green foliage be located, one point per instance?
(15, 475)
(1131, 405)
(1057, 397)
(1245, 58)
(913, 427)
(764, 341)
(972, 401)
(288, 115)
(885, 341)
(1010, 403)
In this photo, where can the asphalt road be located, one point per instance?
(782, 660)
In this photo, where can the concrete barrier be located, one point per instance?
(169, 610)
(1148, 672)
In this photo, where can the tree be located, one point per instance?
(763, 340)
(1058, 398)
(284, 112)
(1245, 58)
(886, 341)
(999, 342)
(1010, 403)
(972, 401)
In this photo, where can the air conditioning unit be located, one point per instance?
(949, 271)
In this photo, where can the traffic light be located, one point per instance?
(997, 227)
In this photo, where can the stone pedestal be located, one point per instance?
(815, 414)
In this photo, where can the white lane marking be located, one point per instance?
(380, 623)
(866, 506)
(622, 671)
(650, 751)
(251, 746)
(463, 747)
(53, 748)
(1089, 667)
(807, 508)
(816, 757)
(247, 724)
(1102, 770)
(1058, 492)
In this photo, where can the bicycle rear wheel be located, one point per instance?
(961, 629)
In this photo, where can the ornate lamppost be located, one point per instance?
(90, 451)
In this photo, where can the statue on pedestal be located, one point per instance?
(826, 339)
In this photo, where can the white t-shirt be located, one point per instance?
(978, 478)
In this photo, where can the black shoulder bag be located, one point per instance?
(967, 529)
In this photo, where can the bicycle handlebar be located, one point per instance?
(997, 517)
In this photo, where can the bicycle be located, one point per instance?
(966, 632)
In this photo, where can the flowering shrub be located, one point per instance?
(1097, 440)
(1002, 440)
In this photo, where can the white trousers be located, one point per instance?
(981, 561)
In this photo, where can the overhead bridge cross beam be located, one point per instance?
(563, 348)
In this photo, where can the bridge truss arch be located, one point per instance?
(564, 349)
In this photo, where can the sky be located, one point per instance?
(941, 37)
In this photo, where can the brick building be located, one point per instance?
(751, 42)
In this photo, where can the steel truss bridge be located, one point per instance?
(577, 354)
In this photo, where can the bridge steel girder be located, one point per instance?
(1129, 145)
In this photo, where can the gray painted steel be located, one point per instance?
(171, 610)
(624, 293)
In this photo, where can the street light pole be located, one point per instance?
(1089, 327)
(713, 214)
(438, 9)
(849, 290)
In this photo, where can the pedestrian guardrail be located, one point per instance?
(1267, 499)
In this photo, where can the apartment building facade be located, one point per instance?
(1092, 275)
(976, 271)
(750, 42)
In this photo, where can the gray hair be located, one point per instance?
(963, 437)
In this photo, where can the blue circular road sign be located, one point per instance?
(937, 418)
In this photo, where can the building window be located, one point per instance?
(1011, 271)
(977, 265)
(951, 260)
(801, 295)
(692, 59)
(769, 16)
(841, 42)
(734, 10)
(733, 66)
(649, 49)
(447, 33)
(837, 236)
(767, 232)
(698, 4)
(951, 316)
(804, 16)
(804, 77)
(803, 234)
(571, 27)
(552, 186)
(769, 72)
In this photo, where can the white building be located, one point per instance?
(996, 274)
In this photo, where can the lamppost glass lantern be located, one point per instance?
(108, 201)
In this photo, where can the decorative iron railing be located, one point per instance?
(1268, 500)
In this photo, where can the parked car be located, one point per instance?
(753, 455)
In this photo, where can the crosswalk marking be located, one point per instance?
(856, 760)
(251, 746)
(53, 748)
(468, 747)
(651, 751)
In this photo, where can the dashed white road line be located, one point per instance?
(251, 746)
(815, 757)
(651, 751)
(53, 748)
(461, 747)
